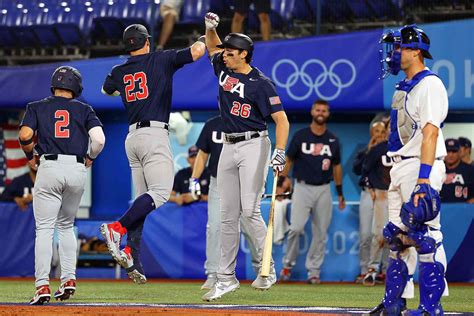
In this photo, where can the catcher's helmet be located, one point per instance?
(67, 78)
(134, 37)
(238, 41)
(409, 36)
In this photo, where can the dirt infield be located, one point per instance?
(121, 310)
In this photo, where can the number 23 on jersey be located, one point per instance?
(130, 80)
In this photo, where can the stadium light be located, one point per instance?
(64, 4)
(25, 11)
(4, 11)
(89, 9)
(87, 4)
(45, 10)
(157, 1)
(19, 6)
(111, 2)
(67, 9)
(133, 1)
(41, 5)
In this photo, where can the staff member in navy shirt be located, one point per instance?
(315, 156)
(459, 183)
(181, 194)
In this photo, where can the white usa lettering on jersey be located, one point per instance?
(217, 138)
(231, 84)
(318, 149)
(454, 178)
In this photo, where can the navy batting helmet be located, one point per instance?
(67, 78)
(238, 41)
(134, 37)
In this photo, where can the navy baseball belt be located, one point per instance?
(142, 124)
(312, 183)
(78, 159)
(239, 137)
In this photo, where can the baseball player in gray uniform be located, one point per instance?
(210, 146)
(144, 82)
(246, 98)
(314, 152)
(63, 126)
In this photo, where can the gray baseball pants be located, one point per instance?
(57, 194)
(213, 244)
(314, 200)
(366, 215)
(241, 176)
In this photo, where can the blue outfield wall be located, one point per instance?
(342, 68)
(174, 243)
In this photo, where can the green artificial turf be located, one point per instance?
(328, 295)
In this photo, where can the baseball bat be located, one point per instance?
(267, 249)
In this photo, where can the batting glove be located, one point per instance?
(212, 21)
(278, 160)
(194, 188)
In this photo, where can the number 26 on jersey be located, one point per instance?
(242, 110)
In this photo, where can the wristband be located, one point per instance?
(339, 189)
(90, 158)
(202, 39)
(26, 142)
(425, 171)
(29, 155)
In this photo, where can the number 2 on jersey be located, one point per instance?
(129, 81)
(60, 127)
(240, 109)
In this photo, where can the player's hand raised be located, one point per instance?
(212, 20)
(194, 188)
(278, 160)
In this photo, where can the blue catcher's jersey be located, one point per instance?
(62, 125)
(210, 141)
(145, 83)
(245, 100)
(314, 156)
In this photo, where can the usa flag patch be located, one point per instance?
(274, 100)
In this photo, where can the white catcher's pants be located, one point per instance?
(404, 176)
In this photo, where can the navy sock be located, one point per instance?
(141, 207)
(134, 238)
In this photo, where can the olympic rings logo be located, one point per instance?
(316, 84)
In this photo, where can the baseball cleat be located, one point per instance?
(65, 290)
(369, 279)
(220, 289)
(127, 260)
(112, 234)
(285, 275)
(137, 277)
(42, 295)
(314, 280)
(264, 283)
(209, 284)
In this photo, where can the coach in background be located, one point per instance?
(366, 205)
(180, 193)
(459, 183)
(315, 154)
(465, 150)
